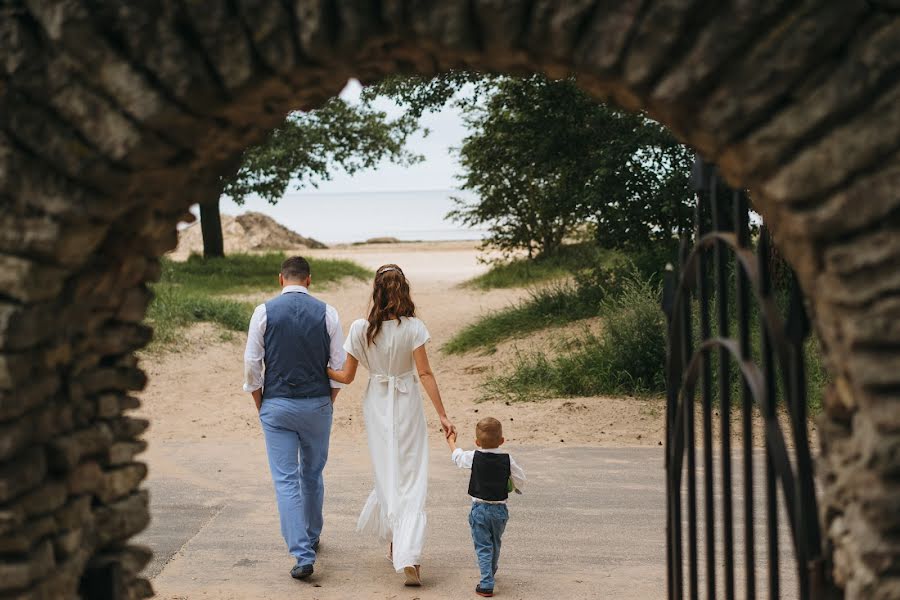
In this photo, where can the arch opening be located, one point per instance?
(113, 120)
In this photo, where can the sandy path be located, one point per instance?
(201, 381)
(215, 529)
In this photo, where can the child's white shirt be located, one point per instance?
(464, 458)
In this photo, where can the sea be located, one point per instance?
(349, 217)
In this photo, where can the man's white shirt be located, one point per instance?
(255, 351)
(464, 458)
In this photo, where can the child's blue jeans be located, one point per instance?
(487, 522)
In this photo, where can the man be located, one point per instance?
(293, 338)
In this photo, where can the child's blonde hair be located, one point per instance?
(489, 432)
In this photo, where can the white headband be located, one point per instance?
(386, 269)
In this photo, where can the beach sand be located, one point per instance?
(591, 523)
(208, 369)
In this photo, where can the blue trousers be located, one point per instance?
(487, 522)
(297, 434)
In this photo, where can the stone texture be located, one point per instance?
(121, 520)
(25, 326)
(119, 482)
(717, 44)
(787, 52)
(14, 436)
(86, 478)
(67, 451)
(51, 495)
(854, 84)
(115, 117)
(15, 403)
(16, 575)
(848, 211)
(656, 39)
(76, 513)
(27, 281)
(21, 474)
(124, 452)
(865, 139)
(23, 540)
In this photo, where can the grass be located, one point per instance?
(522, 272)
(626, 357)
(554, 305)
(174, 308)
(547, 307)
(237, 273)
(194, 291)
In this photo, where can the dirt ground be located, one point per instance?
(197, 386)
(592, 519)
(208, 367)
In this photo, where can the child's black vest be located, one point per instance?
(490, 474)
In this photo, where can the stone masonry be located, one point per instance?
(116, 116)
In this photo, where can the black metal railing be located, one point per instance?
(768, 379)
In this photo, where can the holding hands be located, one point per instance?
(448, 427)
(451, 437)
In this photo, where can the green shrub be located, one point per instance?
(627, 356)
(551, 306)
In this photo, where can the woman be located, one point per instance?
(391, 345)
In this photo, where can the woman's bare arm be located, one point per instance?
(348, 373)
(431, 388)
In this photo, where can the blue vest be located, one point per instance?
(296, 347)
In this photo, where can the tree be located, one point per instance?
(305, 150)
(650, 201)
(544, 158)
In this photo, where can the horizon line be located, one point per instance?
(417, 191)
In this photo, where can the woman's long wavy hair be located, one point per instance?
(390, 299)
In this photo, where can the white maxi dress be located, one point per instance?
(398, 436)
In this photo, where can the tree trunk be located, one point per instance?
(211, 227)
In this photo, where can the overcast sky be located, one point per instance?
(328, 214)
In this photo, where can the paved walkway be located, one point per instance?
(590, 525)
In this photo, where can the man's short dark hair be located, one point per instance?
(295, 268)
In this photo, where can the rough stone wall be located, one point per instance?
(115, 117)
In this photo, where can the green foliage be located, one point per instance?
(419, 95)
(626, 357)
(309, 146)
(816, 376)
(192, 291)
(547, 307)
(594, 277)
(522, 272)
(249, 272)
(544, 158)
(175, 307)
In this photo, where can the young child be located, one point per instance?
(494, 475)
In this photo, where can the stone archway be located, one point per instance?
(115, 117)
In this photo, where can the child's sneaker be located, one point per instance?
(485, 593)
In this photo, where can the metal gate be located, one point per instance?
(747, 343)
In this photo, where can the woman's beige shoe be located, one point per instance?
(413, 576)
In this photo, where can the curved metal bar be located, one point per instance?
(688, 366)
(774, 435)
(768, 311)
